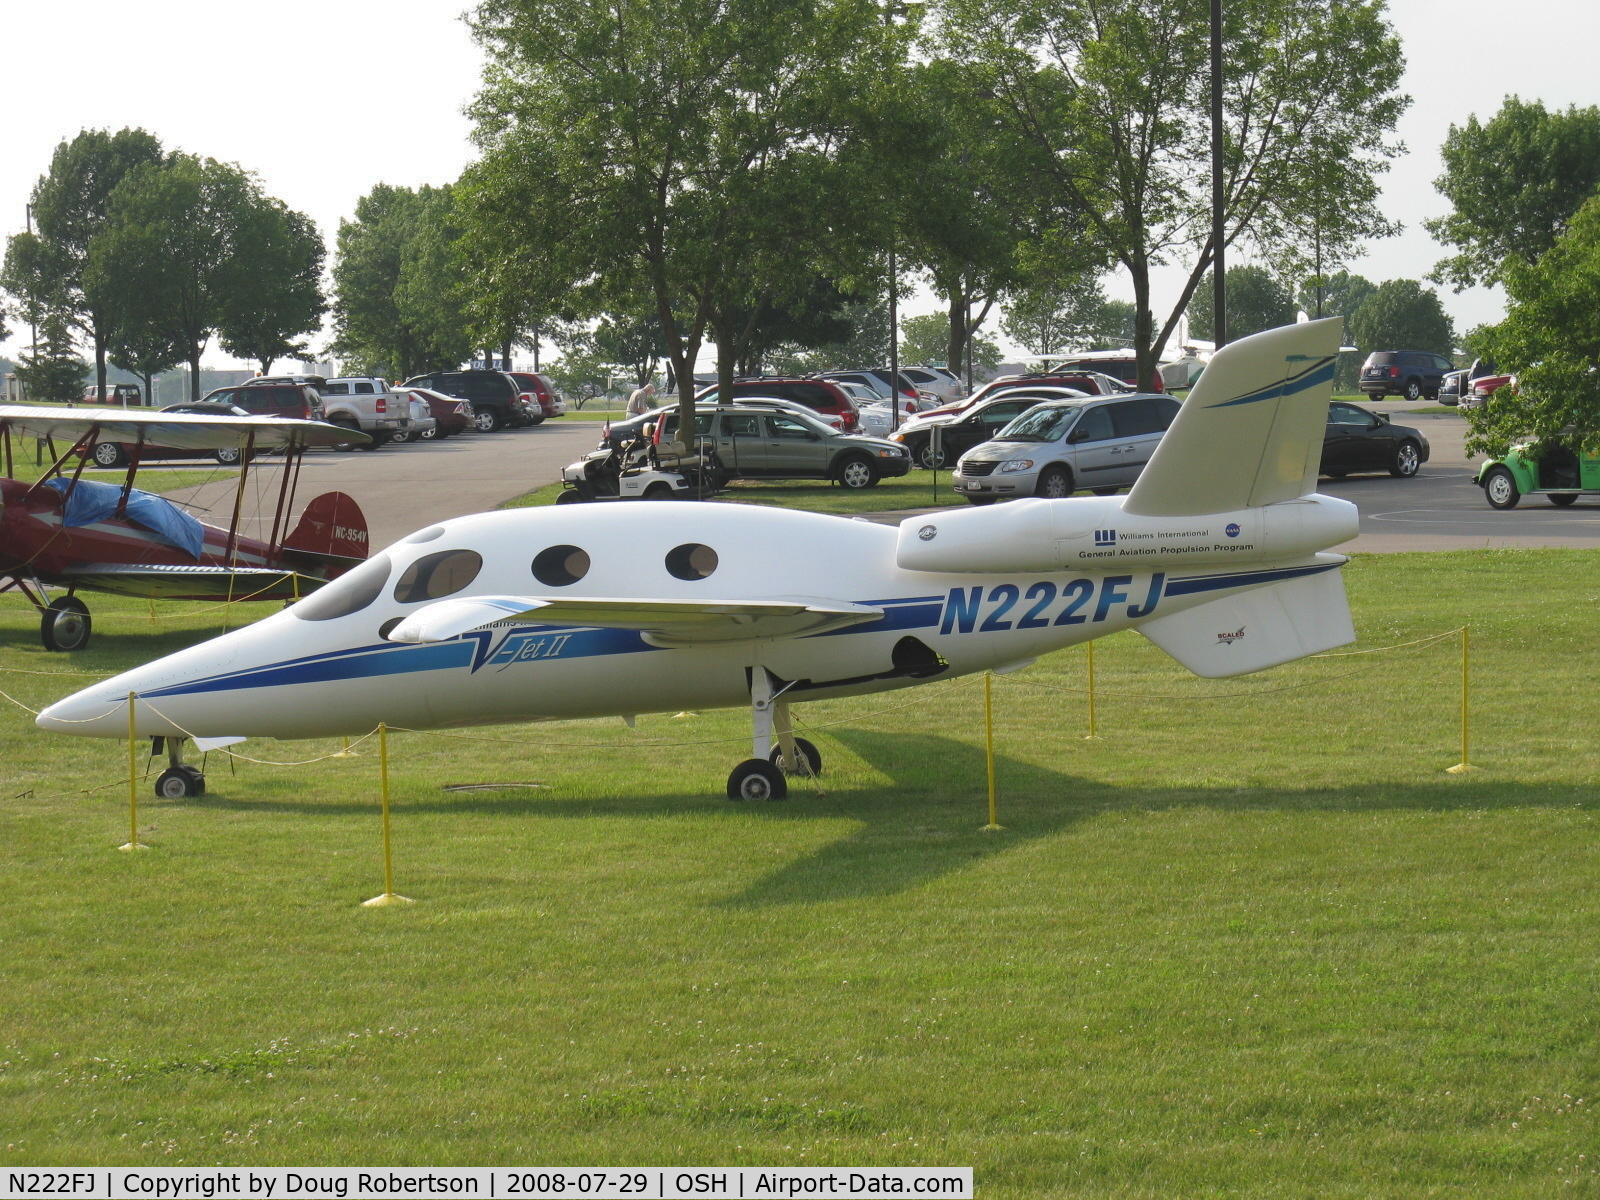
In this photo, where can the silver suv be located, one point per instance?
(1062, 446)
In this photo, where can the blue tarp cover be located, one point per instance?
(89, 502)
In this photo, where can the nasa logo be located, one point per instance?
(1228, 639)
(928, 532)
(1232, 531)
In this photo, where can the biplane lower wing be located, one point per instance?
(191, 582)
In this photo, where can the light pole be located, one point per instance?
(1219, 291)
(891, 10)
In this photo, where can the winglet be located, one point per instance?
(1251, 431)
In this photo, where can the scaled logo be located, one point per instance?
(1228, 639)
(1105, 537)
(1232, 531)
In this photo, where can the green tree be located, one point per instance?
(398, 284)
(1111, 101)
(1513, 183)
(33, 275)
(1117, 327)
(1401, 314)
(1341, 295)
(695, 153)
(272, 295)
(1551, 339)
(1257, 300)
(172, 232)
(861, 335)
(1057, 313)
(71, 202)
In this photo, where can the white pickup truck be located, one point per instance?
(366, 404)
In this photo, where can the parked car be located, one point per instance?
(127, 395)
(116, 454)
(1061, 446)
(750, 441)
(1121, 365)
(1554, 470)
(497, 399)
(940, 381)
(980, 422)
(1454, 387)
(1090, 383)
(269, 399)
(366, 403)
(1411, 374)
(619, 433)
(1358, 440)
(451, 416)
(543, 389)
(820, 396)
(1486, 387)
(876, 378)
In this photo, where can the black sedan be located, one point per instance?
(1358, 440)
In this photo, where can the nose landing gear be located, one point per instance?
(179, 781)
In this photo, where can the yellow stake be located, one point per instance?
(1463, 766)
(988, 737)
(1091, 736)
(388, 896)
(133, 783)
(152, 610)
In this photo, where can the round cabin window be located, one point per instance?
(691, 561)
(437, 575)
(559, 566)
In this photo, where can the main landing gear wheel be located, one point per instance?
(65, 625)
(180, 783)
(806, 751)
(755, 779)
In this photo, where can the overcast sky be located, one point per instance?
(324, 98)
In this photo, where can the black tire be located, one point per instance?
(980, 501)
(1055, 483)
(180, 783)
(108, 454)
(65, 626)
(487, 420)
(1105, 491)
(377, 439)
(1500, 488)
(434, 434)
(1563, 499)
(539, 420)
(345, 447)
(658, 491)
(228, 456)
(1407, 460)
(929, 459)
(570, 496)
(1413, 389)
(757, 779)
(856, 473)
(806, 751)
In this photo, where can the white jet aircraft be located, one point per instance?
(1216, 555)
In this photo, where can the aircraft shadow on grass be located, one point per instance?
(908, 837)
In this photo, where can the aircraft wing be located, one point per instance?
(187, 582)
(179, 431)
(667, 622)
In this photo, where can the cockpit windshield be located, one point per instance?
(1042, 424)
(349, 593)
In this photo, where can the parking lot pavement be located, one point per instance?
(402, 488)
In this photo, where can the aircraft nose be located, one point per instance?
(97, 711)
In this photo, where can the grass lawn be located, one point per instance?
(1253, 942)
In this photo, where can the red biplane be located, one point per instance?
(64, 531)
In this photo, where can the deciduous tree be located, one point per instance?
(1111, 101)
(1055, 313)
(1401, 314)
(271, 296)
(1513, 182)
(1257, 300)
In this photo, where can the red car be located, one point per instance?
(540, 389)
(821, 396)
(451, 416)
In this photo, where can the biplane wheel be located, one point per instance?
(756, 779)
(806, 751)
(180, 783)
(65, 625)
(108, 454)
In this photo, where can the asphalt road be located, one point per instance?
(403, 488)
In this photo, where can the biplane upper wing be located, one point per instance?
(180, 431)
